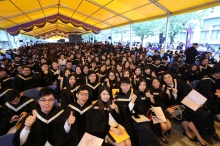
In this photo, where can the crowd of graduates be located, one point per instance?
(84, 79)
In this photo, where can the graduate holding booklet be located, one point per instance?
(194, 100)
(103, 120)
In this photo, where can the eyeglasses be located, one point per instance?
(84, 94)
(45, 100)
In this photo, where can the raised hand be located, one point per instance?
(30, 120)
(148, 94)
(113, 105)
(71, 119)
(133, 98)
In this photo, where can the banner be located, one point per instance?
(188, 37)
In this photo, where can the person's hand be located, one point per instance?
(21, 93)
(30, 120)
(174, 90)
(133, 98)
(170, 110)
(153, 74)
(106, 80)
(113, 105)
(71, 119)
(22, 115)
(134, 76)
(148, 94)
(77, 87)
(60, 78)
(117, 131)
(14, 118)
(200, 68)
(168, 92)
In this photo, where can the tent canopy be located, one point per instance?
(39, 17)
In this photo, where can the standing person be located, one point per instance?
(191, 53)
(43, 125)
(129, 102)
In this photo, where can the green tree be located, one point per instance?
(182, 22)
(145, 29)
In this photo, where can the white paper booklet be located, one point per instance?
(194, 100)
(90, 140)
(160, 117)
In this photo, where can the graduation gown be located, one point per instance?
(147, 136)
(80, 79)
(67, 96)
(6, 82)
(26, 104)
(79, 127)
(22, 83)
(98, 125)
(94, 87)
(47, 79)
(46, 128)
(207, 87)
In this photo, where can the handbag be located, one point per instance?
(178, 111)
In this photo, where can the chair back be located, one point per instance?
(6, 140)
(33, 93)
(52, 87)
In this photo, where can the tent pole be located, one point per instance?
(131, 36)
(166, 33)
(112, 35)
(93, 38)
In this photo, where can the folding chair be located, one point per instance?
(31, 93)
(195, 83)
(52, 87)
(6, 140)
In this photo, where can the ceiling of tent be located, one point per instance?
(37, 17)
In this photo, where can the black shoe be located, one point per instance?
(192, 139)
(207, 139)
(215, 136)
(167, 134)
(163, 140)
(202, 144)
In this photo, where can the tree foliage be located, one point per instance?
(177, 24)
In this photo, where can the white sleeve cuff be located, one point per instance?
(131, 106)
(23, 136)
(67, 127)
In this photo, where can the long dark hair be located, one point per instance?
(160, 87)
(68, 84)
(109, 102)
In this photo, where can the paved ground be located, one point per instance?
(178, 139)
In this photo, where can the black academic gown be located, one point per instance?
(41, 132)
(98, 121)
(6, 82)
(22, 83)
(26, 104)
(67, 96)
(147, 136)
(79, 127)
(94, 87)
(207, 87)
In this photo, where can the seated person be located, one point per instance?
(14, 109)
(26, 80)
(75, 116)
(43, 125)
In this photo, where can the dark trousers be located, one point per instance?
(146, 134)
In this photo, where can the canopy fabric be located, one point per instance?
(28, 17)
